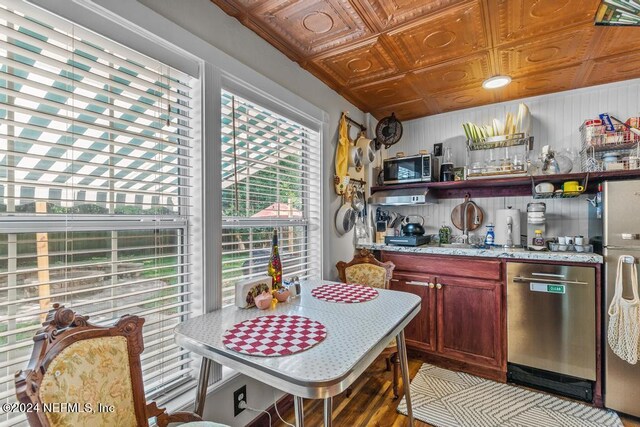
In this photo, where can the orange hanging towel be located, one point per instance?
(342, 156)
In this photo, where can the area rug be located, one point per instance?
(445, 398)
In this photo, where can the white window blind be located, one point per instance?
(95, 166)
(270, 179)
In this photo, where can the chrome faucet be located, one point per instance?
(465, 225)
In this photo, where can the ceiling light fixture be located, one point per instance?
(496, 82)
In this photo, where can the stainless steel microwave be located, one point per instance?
(419, 168)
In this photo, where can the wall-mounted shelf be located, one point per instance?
(559, 193)
(510, 186)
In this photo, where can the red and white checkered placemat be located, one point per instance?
(344, 293)
(274, 335)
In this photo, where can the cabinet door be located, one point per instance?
(470, 320)
(420, 333)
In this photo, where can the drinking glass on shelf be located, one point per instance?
(490, 158)
(506, 164)
(518, 162)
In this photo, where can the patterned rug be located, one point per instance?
(446, 398)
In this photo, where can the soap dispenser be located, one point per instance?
(490, 237)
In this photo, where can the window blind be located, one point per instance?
(270, 179)
(95, 175)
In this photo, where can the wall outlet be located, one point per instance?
(240, 395)
(437, 149)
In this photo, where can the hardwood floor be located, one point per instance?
(371, 403)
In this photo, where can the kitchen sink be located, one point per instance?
(500, 248)
(459, 246)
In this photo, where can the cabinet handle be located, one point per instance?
(417, 283)
(438, 286)
(395, 280)
(431, 285)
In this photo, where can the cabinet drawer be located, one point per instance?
(445, 265)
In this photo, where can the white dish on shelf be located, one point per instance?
(523, 120)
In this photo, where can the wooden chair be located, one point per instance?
(77, 362)
(365, 269)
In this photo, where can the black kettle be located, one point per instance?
(412, 228)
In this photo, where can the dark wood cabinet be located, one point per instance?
(469, 320)
(420, 333)
(462, 322)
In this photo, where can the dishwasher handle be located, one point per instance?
(520, 279)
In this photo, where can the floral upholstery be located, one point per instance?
(91, 371)
(366, 274)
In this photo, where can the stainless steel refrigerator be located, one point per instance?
(620, 224)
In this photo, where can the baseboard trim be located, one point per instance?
(489, 373)
(285, 403)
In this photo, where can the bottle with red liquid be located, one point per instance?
(275, 266)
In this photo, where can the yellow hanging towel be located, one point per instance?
(342, 157)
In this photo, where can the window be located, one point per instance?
(270, 179)
(95, 174)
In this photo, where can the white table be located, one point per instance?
(356, 335)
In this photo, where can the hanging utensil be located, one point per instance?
(368, 148)
(355, 158)
(388, 131)
(345, 218)
(357, 201)
(475, 215)
(361, 228)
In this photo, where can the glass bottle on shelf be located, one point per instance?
(448, 155)
(274, 269)
(446, 168)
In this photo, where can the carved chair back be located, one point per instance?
(365, 269)
(98, 368)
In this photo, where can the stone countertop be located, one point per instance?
(513, 254)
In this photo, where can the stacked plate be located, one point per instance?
(498, 130)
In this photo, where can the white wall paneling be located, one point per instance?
(556, 119)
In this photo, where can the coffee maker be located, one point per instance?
(536, 221)
(446, 168)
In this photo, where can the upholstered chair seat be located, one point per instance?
(365, 269)
(96, 367)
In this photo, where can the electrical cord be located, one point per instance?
(275, 405)
(243, 405)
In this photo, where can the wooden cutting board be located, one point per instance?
(458, 220)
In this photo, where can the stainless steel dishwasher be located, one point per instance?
(551, 327)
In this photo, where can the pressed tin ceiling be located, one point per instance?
(423, 57)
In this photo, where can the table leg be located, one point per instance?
(404, 366)
(328, 411)
(298, 408)
(203, 382)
